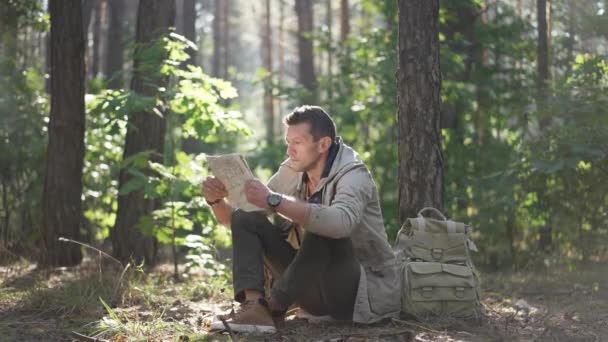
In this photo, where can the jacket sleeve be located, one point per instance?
(346, 210)
(285, 180)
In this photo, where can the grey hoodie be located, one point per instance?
(351, 208)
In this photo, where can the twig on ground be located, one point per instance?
(416, 325)
(82, 337)
(383, 334)
(228, 328)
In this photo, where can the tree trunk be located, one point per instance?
(189, 27)
(281, 55)
(418, 97)
(62, 192)
(542, 62)
(267, 58)
(329, 23)
(226, 38)
(145, 132)
(114, 61)
(306, 68)
(96, 47)
(218, 30)
(344, 20)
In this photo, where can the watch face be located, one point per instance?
(274, 200)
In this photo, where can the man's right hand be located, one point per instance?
(213, 189)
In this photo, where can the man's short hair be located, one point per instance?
(321, 124)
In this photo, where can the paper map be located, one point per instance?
(233, 171)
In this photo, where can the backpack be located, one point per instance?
(437, 274)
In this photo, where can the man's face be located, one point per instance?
(302, 150)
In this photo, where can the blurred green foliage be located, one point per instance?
(532, 183)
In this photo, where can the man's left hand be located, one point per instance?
(257, 193)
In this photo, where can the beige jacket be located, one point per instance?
(351, 207)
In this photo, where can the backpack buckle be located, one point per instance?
(459, 292)
(437, 253)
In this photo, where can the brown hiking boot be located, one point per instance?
(252, 316)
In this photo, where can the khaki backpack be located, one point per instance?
(438, 276)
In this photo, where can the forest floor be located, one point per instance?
(92, 302)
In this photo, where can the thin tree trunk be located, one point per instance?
(96, 48)
(226, 38)
(418, 97)
(267, 57)
(217, 38)
(344, 20)
(306, 69)
(114, 61)
(281, 45)
(189, 27)
(329, 23)
(61, 202)
(542, 62)
(570, 41)
(146, 131)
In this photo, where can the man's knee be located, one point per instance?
(242, 219)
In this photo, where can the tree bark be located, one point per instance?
(306, 68)
(267, 58)
(189, 27)
(145, 132)
(218, 32)
(329, 23)
(542, 62)
(96, 47)
(344, 20)
(418, 97)
(65, 153)
(114, 61)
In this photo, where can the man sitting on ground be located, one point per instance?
(327, 238)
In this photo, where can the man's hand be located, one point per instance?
(257, 193)
(213, 189)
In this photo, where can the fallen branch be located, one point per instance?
(416, 325)
(82, 337)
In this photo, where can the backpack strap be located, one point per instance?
(451, 225)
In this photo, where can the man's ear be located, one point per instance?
(325, 144)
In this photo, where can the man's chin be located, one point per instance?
(296, 166)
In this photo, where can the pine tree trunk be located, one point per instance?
(306, 68)
(418, 96)
(329, 23)
(96, 47)
(267, 58)
(217, 38)
(189, 27)
(62, 192)
(226, 38)
(344, 20)
(281, 56)
(542, 62)
(146, 131)
(114, 60)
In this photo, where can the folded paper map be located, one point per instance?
(233, 171)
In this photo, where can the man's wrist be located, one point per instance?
(273, 200)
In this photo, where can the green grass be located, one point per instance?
(105, 302)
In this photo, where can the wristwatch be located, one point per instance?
(274, 200)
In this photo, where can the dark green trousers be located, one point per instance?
(322, 277)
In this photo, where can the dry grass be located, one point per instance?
(54, 305)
